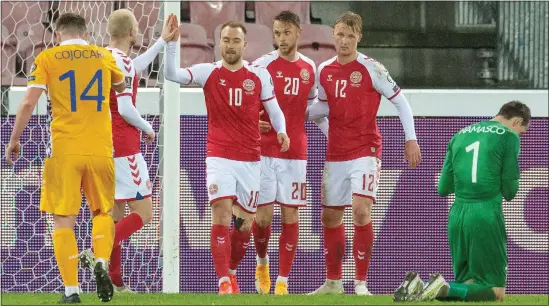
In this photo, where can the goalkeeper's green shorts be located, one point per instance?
(478, 242)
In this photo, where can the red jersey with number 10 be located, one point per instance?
(353, 92)
(126, 137)
(233, 100)
(294, 84)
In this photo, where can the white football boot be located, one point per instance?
(431, 291)
(409, 289)
(361, 288)
(329, 287)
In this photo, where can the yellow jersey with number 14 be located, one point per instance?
(77, 78)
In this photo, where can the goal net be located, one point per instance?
(28, 262)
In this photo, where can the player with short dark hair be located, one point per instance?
(284, 174)
(234, 92)
(481, 167)
(77, 78)
(350, 87)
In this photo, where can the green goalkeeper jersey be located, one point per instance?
(482, 163)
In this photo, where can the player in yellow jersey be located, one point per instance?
(77, 78)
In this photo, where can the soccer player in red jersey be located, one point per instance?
(283, 174)
(350, 87)
(133, 185)
(234, 92)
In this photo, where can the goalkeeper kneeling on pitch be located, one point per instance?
(481, 167)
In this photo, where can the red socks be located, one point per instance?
(261, 239)
(126, 227)
(363, 242)
(122, 231)
(287, 246)
(115, 265)
(334, 249)
(220, 245)
(239, 244)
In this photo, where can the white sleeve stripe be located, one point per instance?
(38, 86)
(119, 82)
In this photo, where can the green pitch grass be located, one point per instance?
(242, 299)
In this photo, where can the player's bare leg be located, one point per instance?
(220, 242)
(287, 246)
(363, 241)
(262, 233)
(240, 239)
(334, 250)
(66, 254)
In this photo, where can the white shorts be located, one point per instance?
(343, 180)
(132, 178)
(233, 179)
(283, 181)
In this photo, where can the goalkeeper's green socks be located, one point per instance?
(469, 292)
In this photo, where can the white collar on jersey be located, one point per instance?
(74, 41)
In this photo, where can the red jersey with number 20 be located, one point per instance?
(294, 84)
(353, 93)
(233, 101)
(126, 137)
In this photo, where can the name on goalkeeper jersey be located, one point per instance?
(78, 54)
(483, 129)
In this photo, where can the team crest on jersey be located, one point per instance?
(305, 75)
(356, 77)
(329, 78)
(33, 67)
(248, 85)
(279, 74)
(212, 189)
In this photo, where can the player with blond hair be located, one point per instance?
(133, 185)
(350, 87)
(77, 78)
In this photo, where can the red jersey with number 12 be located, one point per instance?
(294, 84)
(353, 92)
(126, 137)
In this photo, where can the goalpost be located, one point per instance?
(170, 110)
(150, 259)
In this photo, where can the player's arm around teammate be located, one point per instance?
(79, 157)
(350, 87)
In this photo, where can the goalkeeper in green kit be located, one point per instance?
(481, 168)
